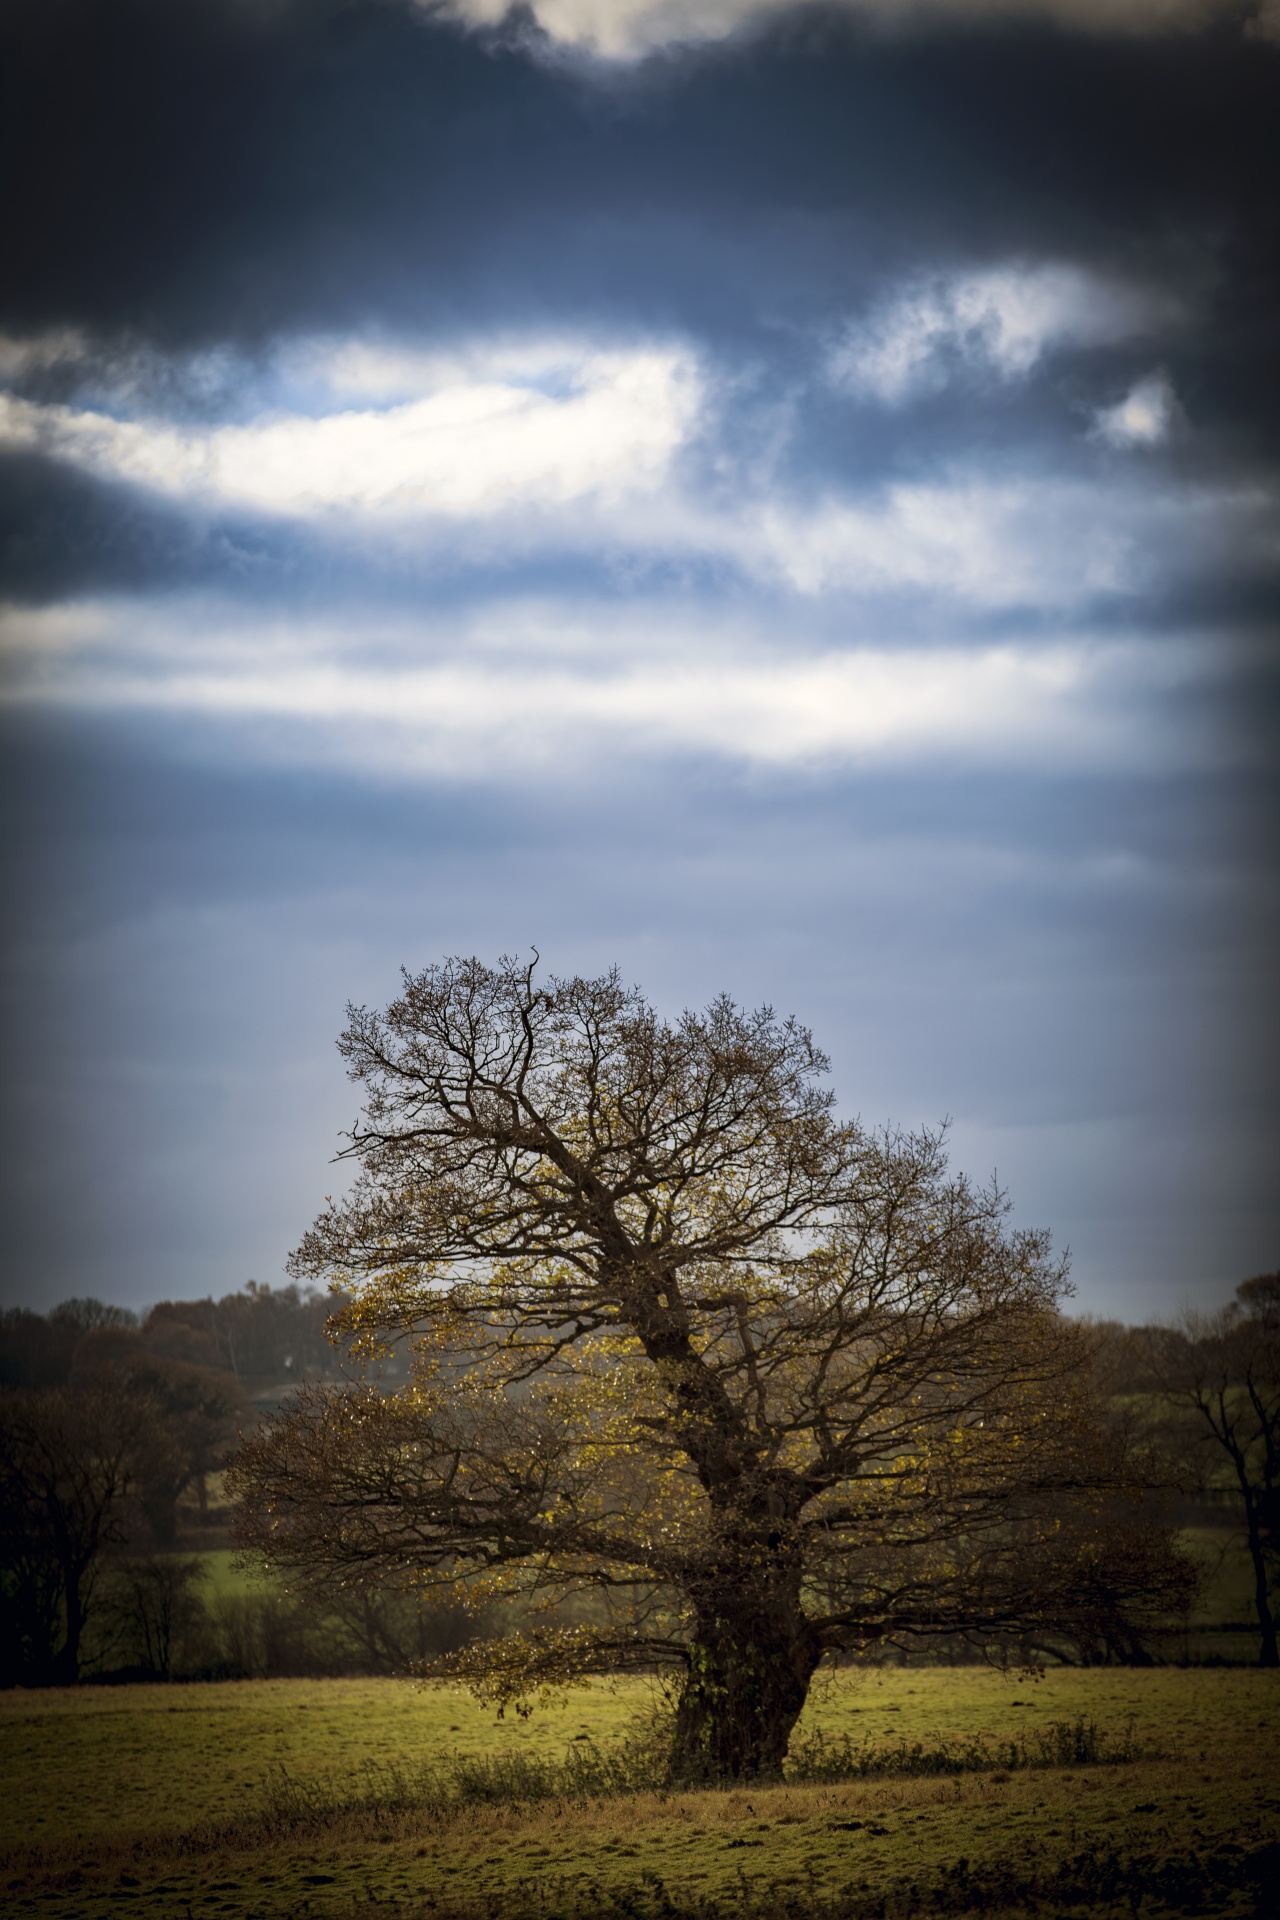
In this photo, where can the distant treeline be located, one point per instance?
(262, 1336)
(114, 1429)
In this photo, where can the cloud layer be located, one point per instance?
(529, 689)
(626, 29)
(642, 457)
(471, 446)
(999, 324)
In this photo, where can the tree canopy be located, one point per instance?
(747, 1382)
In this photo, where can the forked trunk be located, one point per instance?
(749, 1674)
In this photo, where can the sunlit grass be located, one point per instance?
(283, 1797)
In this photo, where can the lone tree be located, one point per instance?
(762, 1384)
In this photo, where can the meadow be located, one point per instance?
(1093, 1791)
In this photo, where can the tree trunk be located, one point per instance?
(749, 1674)
(66, 1661)
(1270, 1654)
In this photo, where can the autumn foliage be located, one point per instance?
(747, 1382)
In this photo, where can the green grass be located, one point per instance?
(226, 1575)
(279, 1798)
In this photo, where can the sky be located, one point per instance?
(782, 498)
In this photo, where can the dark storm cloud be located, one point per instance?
(191, 184)
(212, 170)
(65, 532)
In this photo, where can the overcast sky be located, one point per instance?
(780, 497)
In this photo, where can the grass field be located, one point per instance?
(283, 1798)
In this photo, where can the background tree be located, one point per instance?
(758, 1383)
(195, 1415)
(89, 1466)
(155, 1609)
(69, 1462)
(137, 1604)
(1219, 1376)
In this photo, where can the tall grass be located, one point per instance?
(636, 1765)
(1063, 1743)
(457, 1780)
